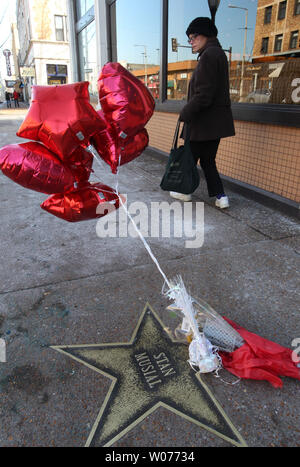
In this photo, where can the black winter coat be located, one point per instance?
(208, 108)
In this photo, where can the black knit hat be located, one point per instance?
(203, 26)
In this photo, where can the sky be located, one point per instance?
(138, 22)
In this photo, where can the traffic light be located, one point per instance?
(174, 44)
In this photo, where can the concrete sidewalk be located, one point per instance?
(13, 112)
(61, 285)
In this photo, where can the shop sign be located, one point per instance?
(7, 54)
(27, 71)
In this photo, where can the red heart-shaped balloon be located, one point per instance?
(117, 152)
(80, 163)
(126, 102)
(33, 166)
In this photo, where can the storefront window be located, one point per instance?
(138, 37)
(88, 59)
(57, 74)
(83, 6)
(51, 69)
(264, 67)
(181, 61)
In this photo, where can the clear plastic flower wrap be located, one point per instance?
(202, 327)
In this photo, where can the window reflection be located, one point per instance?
(138, 34)
(265, 70)
(88, 59)
(275, 68)
(181, 61)
(83, 6)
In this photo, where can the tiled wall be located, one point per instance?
(265, 156)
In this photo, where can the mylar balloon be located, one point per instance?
(61, 117)
(88, 201)
(80, 163)
(111, 150)
(126, 102)
(107, 145)
(134, 146)
(33, 166)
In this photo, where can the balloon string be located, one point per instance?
(93, 151)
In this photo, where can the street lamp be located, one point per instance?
(213, 6)
(245, 41)
(145, 55)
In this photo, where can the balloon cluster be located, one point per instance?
(62, 126)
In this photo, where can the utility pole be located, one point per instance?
(244, 49)
(244, 55)
(145, 61)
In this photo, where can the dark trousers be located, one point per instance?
(206, 152)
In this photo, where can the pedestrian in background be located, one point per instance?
(208, 109)
(16, 98)
(7, 98)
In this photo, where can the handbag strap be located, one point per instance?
(176, 135)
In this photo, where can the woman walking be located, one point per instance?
(208, 109)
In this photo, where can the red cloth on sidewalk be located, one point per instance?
(259, 359)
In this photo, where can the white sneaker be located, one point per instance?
(222, 203)
(180, 196)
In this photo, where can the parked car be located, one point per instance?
(259, 96)
(234, 95)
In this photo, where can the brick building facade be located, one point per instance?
(277, 29)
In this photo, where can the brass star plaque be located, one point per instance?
(148, 372)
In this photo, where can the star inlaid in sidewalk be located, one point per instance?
(148, 372)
